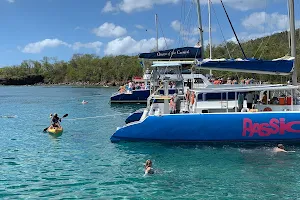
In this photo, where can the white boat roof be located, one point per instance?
(245, 88)
(166, 65)
(187, 62)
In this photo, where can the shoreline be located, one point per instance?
(72, 84)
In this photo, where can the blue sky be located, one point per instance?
(32, 29)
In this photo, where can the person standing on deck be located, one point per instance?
(172, 106)
(177, 103)
(265, 98)
(250, 99)
(241, 101)
(187, 98)
(192, 101)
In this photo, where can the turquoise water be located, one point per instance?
(84, 164)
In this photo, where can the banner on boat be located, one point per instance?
(274, 126)
(178, 53)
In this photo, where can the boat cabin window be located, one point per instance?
(157, 101)
(198, 80)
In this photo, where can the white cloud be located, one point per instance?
(243, 4)
(37, 47)
(11, 1)
(129, 6)
(91, 45)
(178, 27)
(139, 26)
(263, 21)
(109, 7)
(109, 30)
(128, 46)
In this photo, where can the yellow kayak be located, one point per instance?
(55, 130)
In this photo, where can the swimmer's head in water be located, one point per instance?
(280, 146)
(148, 163)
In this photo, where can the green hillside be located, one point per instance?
(118, 69)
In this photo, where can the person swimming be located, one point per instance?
(84, 102)
(148, 167)
(280, 148)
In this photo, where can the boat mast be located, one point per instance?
(156, 25)
(209, 27)
(288, 30)
(293, 40)
(209, 32)
(200, 28)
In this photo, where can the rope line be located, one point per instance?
(99, 116)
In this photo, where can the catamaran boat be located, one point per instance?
(270, 115)
(216, 115)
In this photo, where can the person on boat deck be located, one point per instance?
(250, 99)
(130, 86)
(172, 105)
(265, 98)
(192, 100)
(177, 103)
(148, 167)
(241, 101)
(55, 121)
(187, 98)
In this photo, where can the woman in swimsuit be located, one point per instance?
(148, 167)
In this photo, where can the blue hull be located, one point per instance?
(224, 127)
(137, 96)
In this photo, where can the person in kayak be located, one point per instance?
(148, 167)
(55, 121)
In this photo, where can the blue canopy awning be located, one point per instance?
(277, 67)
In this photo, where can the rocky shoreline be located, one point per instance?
(37, 80)
(82, 84)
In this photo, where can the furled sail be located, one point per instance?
(282, 66)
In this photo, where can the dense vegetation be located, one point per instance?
(116, 70)
(81, 68)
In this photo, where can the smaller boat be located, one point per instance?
(55, 130)
(84, 102)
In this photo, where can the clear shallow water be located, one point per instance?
(83, 163)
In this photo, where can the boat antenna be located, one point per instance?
(293, 40)
(200, 28)
(237, 39)
(156, 25)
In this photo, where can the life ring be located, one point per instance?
(267, 109)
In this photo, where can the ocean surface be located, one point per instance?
(83, 164)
